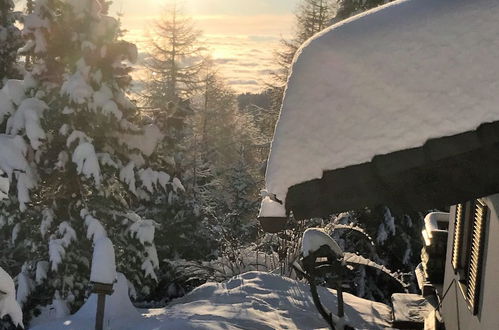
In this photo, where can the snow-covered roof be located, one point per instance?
(384, 81)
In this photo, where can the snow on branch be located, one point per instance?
(8, 303)
(353, 258)
(87, 163)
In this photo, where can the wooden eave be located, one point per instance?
(444, 171)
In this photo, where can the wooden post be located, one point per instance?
(99, 317)
(341, 308)
(101, 289)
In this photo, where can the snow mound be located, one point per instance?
(8, 303)
(119, 312)
(384, 81)
(253, 300)
(257, 300)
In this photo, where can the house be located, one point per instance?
(399, 106)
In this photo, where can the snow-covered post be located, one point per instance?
(102, 276)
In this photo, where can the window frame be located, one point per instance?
(468, 248)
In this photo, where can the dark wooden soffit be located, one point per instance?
(445, 171)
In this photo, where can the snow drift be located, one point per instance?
(253, 300)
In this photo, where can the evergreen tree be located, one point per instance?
(229, 197)
(10, 41)
(87, 155)
(174, 70)
(176, 59)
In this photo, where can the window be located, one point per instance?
(458, 236)
(467, 248)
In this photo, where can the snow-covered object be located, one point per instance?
(143, 230)
(145, 142)
(77, 88)
(15, 90)
(86, 162)
(103, 263)
(27, 119)
(6, 106)
(42, 267)
(386, 228)
(8, 303)
(12, 155)
(314, 238)
(4, 186)
(13, 163)
(410, 307)
(151, 179)
(177, 184)
(119, 310)
(254, 300)
(47, 219)
(24, 286)
(95, 230)
(272, 208)
(127, 175)
(432, 219)
(56, 253)
(15, 232)
(60, 306)
(384, 81)
(103, 101)
(431, 222)
(118, 305)
(353, 258)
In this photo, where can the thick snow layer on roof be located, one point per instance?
(385, 81)
(253, 300)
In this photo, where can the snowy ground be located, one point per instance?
(253, 300)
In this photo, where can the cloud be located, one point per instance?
(224, 60)
(242, 45)
(243, 82)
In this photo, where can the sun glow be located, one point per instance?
(240, 35)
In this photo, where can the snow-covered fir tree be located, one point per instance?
(389, 240)
(83, 163)
(10, 41)
(225, 145)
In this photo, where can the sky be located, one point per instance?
(242, 35)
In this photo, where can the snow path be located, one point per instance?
(253, 300)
